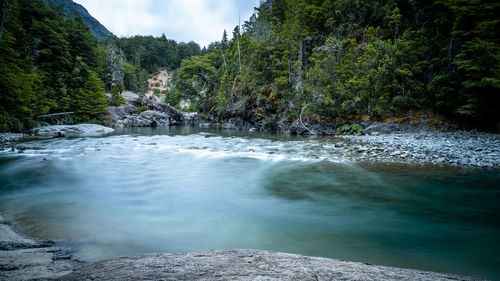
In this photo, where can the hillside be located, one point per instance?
(343, 62)
(72, 9)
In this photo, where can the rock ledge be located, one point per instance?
(25, 258)
(244, 265)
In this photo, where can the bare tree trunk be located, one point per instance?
(224, 58)
(300, 83)
(239, 32)
(300, 119)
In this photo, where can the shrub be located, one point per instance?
(141, 109)
(352, 129)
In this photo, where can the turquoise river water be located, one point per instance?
(175, 190)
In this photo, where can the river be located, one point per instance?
(184, 189)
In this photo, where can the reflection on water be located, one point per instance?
(173, 190)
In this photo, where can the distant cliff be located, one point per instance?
(72, 9)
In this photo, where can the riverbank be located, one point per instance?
(245, 265)
(26, 258)
(462, 148)
(23, 258)
(8, 140)
(11, 140)
(459, 148)
(127, 194)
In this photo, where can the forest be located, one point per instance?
(339, 61)
(345, 60)
(51, 63)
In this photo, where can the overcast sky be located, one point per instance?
(202, 21)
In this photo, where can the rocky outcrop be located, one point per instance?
(79, 130)
(148, 118)
(130, 96)
(23, 258)
(118, 114)
(394, 128)
(158, 114)
(245, 265)
(311, 125)
(8, 140)
(237, 123)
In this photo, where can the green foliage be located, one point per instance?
(50, 62)
(44, 59)
(352, 129)
(141, 109)
(172, 96)
(354, 58)
(156, 92)
(116, 98)
(90, 102)
(343, 58)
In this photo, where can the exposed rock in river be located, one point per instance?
(71, 130)
(148, 118)
(158, 114)
(245, 265)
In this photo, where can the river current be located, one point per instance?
(183, 189)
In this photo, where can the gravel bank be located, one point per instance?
(470, 149)
(8, 140)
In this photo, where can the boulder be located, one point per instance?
(130, 96)
(79, 130)
(117, 114)
(148, 118)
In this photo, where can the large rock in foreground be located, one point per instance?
(244, 265)
(24, 258)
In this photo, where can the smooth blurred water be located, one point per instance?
(176, 190)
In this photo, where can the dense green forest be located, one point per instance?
(341, 60)
(72, 9)
(333, 60)
(49, 62)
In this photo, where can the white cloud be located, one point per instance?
(202, 21)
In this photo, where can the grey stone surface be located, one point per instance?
(462, 148)
(244, 265)
(159, 114)
(148, 118)
(237, 123)
(24, 258)
(392, 128)
(71, 130)
(130, 96)
(8, 140)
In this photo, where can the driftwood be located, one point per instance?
(302, 123)
(59, 121)
(54, 114)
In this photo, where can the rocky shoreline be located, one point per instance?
(462, 148)
(25, 258)
(459, 148)
(245, 265)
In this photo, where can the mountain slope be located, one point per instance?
(72, 9)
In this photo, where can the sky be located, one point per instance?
(201, 21)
